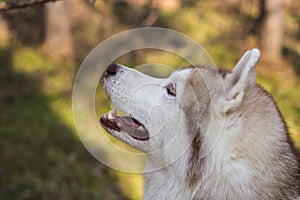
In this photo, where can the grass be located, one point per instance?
(41, 155)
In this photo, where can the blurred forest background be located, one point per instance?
(43, 43)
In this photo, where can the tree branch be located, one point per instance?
(16, 4)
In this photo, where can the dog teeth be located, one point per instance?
(110, 115)
(140, 128)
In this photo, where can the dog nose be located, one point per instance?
(112, 69)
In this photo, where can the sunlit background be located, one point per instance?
(43, 44)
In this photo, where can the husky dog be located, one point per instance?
(208, 133)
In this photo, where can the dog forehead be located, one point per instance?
(183, 74)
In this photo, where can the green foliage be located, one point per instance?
(29, 61)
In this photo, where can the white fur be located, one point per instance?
(243, 136)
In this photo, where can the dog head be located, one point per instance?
(173, 111)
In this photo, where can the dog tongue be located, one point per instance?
(132, 127)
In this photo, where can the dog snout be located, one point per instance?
(112, 69)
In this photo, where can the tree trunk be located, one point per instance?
(4, 33)
(58, 41)
(273, 29)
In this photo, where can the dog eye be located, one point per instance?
(171, 89)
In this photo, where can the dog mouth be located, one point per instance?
(128, 124)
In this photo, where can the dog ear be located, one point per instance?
(243, 74)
